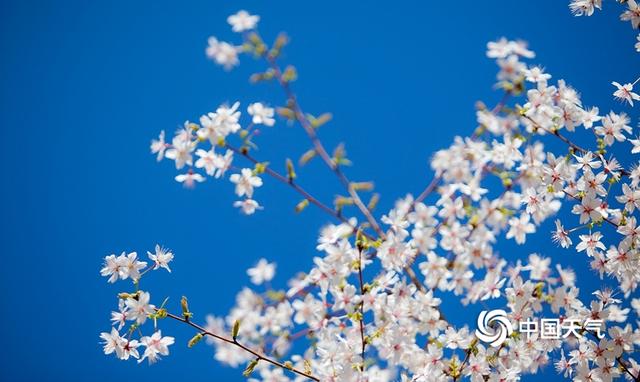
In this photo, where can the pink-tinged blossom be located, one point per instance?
(625, 93)
(584, 7)
(632, 14)
(139, 307)
(247, 206)
(190, 179)
(155, 346)
(561, 236)
(590, 243)
(121, 346)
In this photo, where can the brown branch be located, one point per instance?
(281, 178)
(566, 140)
(626, 369)
(233, 341)
(557, 134)
(319, 147)
(427, 191)
(580, 200)
(463, 364)
(620, 360)
(434, 182)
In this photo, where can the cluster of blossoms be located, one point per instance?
(215, 130)
(370, 307)
(135, 307)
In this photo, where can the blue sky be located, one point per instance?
(85, 85)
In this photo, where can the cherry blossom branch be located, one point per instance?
(619, 359)
(566, 140)
(234, 341)
(622, 364)
(319, 147)
(603, 217)
(463, 364)
(305, 194)
(434, 182)
(557, 134)
(427, 191)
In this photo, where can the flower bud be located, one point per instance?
(361, 242)
(321, 120)
(281, 41)
(290, 74)
(260, 168)
(340, 155)
(254, 38)
(361, 186)
(373, 202)
(249, 369)
(286, 112)
(258, 77)
(341, 201)
(193, 341)
(291, 173)
(301, 206)
(235, 329)
(161, 313)
(307, 366)
(184, 303)
(307, 156)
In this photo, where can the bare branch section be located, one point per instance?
(233, 341)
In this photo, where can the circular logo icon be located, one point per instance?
(493, 327)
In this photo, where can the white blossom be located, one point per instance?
(261, 114)
(222, 53)
(161, 258)
(245, 182)
(243, 21)
(262, 272)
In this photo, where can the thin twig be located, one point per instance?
(233, 341)
(434, 182)
(566, 140)
(463, 364)
(282, 179)
(319, 147)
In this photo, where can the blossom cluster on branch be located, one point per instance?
(370, 307)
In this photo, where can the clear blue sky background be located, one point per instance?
(85, 85)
